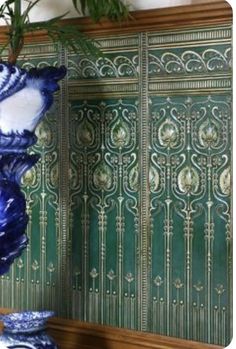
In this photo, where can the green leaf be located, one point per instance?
(114, 10)
(75, 4)
(25, 14)
(68, 35)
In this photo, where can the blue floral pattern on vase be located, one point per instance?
(26, 330)
(25, 96)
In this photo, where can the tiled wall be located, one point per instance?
(130, 204)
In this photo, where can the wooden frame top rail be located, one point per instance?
(216, 12)
(202, 14)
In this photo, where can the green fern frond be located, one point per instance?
(68, 35)
(114, 10)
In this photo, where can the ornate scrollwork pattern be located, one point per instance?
(203, 60)
(133, 191)
(104, 138)
(188, 180)
(190, 152)
(105, 67)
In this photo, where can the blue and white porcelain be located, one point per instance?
(26, 321)
(26, 330)
(25, 96)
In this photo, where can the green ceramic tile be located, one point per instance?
(129, 206)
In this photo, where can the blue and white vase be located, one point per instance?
(25, 96)
(26, 330)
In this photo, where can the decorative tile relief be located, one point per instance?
(104, 209)
(130, 206)
(121, 60)
(190, 149)
(190, 60)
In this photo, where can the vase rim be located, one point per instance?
(26, 321)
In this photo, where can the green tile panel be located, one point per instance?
(130, 205)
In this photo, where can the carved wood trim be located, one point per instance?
(202, 14)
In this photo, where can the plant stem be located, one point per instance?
(16, 34)
(17, 8)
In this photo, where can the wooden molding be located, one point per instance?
(216, 12)
(73, 334)
(213, 13)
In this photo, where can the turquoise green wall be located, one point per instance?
(130, 204)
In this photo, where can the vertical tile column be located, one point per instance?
(64, 239)
(144, 185)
